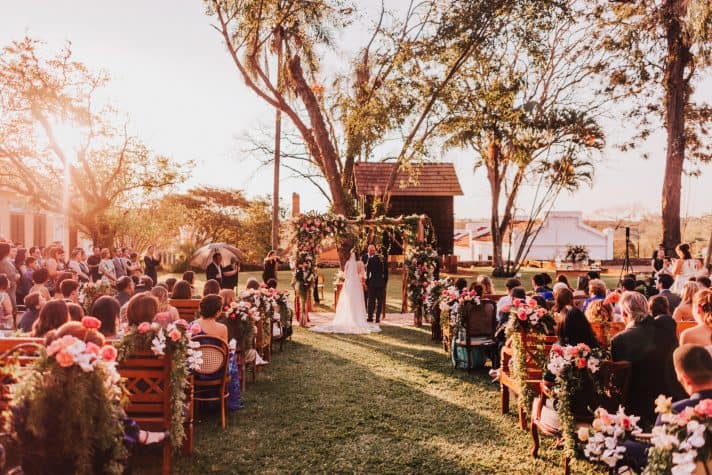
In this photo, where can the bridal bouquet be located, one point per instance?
(604, 439)
(683, 441)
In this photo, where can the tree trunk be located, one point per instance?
(495, 182)
(277, 153)
(676, 97)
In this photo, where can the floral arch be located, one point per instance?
(309, 230)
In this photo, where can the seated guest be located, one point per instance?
(562, 279)
(212, 287)
(52, 316)
(106, 309)
(597, 291)
(659, 306)
(146, 283)
(40, 278)
(271, 283)
(33, 304)
(163, 306)
(228, 297)
(540, 288)
(170, 283)
(70, 291)
(125, 289)
(182, 291)
(693, 368)
(628, 284)
(460, 284)
(507, 299)
(5, 303)
(76, 312)
(141, 308)
(254, 284)
(648, 347)
(700, 334)
(189, 276)
(600, 311)
(478, 289)
(210, 309)
(683, 312)
(563, 302)
(582, 286)
(575, 329)
(486, 283)
(665, 281)
(705, 282)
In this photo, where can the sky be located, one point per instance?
(173, 78)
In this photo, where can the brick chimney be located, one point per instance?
(295, 205)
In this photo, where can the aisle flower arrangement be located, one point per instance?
(261, 300)
(525, 316)
(174, 341)
(87, 433)
(683, 441)
(571, 365)
(604, 439)
(420, 263)
(433, 295)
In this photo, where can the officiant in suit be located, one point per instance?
(376, 279)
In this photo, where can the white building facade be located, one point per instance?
(22, 224)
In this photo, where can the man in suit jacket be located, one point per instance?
(376, 278)
(214, 269)
(646, 344)
(665, 281)
(693, 366)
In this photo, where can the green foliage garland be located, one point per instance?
(147, 337)
(85, 436)
(420, 264)
(90, 291)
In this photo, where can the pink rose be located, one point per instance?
(174, 334)
(182, 323)
(93, 349)
(522, 315)
(108, 353)
(517, 302)
(541, 312)
(583, 347)
(195, 329)
(684, 417)
(531, 302)
(557, 349)
(506, 308)
(581, 363)
(91, 323)
(144, 327)
(704, 408)
(64, 359)
(626, 424)
(571, 351)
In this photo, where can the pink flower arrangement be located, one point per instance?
(68, 351)
(91, 323)
(175, 334)
(144, 327)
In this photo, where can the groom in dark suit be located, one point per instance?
(375, 283)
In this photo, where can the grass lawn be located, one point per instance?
(382, 403)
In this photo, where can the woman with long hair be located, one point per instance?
(271, 263)
(700, 334)
(53, 315)
(684, 268)
(683, 312)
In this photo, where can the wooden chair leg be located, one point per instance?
(535, 439)
(504, 398)
(567, 465)
(223, 403)
(522, 415)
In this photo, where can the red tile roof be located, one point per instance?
(428, 179)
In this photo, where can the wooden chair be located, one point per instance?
(606, 331)
(537, 348)
(210, 383)
(7, 344)
(188, 309)
(613, 378)
(285, 332)
(480, 325)
(682, 326)
(148, 382)
(240, 357)
(263, 340)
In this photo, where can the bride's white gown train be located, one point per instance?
(350, 314)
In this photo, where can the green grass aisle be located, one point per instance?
(382, 403)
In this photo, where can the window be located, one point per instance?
(39, 227)
(17, 228)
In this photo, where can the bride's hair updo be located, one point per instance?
(703, 302)
(683, 250)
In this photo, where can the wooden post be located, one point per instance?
(404, 287)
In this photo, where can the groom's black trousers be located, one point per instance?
(376, 297)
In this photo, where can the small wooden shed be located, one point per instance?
(430, 189)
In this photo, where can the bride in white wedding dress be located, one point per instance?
(351, 310)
